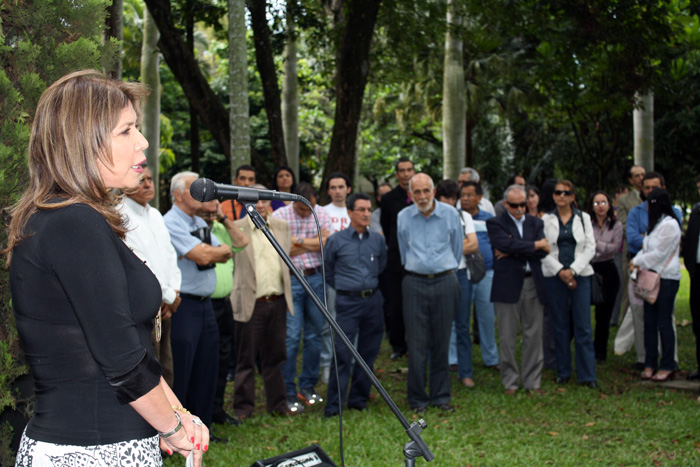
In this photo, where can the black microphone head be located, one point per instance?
(203, 190)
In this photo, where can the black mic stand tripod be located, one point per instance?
(416, 446)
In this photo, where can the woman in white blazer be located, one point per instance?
(567, 271)
(660, 253)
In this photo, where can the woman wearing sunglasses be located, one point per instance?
(608, 240)
(567, 271)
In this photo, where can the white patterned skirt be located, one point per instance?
(136, 452)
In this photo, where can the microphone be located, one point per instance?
(205, 190)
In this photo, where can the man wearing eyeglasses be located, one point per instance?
(354, 259)
(518, 292)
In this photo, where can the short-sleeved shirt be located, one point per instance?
(482, 234)
(467, 228)
(304, 227)
(354, 262)
(433, 244)
(338, 216)
(180, 226)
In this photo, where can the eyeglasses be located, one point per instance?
(516, 205)
(563, 192)
(600, 203)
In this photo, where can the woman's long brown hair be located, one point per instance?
(72, 129)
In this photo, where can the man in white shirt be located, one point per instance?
(338, 187)
(149, 240)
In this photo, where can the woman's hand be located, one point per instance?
(567, 277)
(194, 438)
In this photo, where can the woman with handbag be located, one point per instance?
(608, 239)
(84, 303)
(567, 271)
(658, 256)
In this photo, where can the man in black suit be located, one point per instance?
(392, 203)
(691, 258)
(518, 292)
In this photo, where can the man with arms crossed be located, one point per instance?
(518, 292)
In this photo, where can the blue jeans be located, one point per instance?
(309, 318)
(567, 306)
(460, 340)
(480, 294)
(657, 317)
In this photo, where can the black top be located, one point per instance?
(84, 305)
(392, 203)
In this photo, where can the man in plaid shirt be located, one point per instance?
(306, 256)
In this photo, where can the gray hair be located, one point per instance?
(410, 182)
(514, 187)
(178, 182)
(473, 174)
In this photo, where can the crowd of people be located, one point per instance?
(163, 310)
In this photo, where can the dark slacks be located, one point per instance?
(429, 309)
(360, 318)
(263, 335)
(604, 311)
(397, 327)
(224, 320)
(695, 309)
(195, 343)
(567, 307)
(657, 322)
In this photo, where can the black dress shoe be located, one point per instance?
(446, 408)
(694, 375)
(226, 419)
(421, 409)
(590, 384)
(397, 355)
(562, 379)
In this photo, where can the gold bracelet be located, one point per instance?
(181, 409)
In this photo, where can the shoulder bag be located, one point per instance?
(476, 266)
(648, 282)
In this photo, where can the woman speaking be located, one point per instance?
(83, 302)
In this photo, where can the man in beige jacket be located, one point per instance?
(260, 299)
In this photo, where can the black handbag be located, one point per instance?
(476, 266)
(597, 297)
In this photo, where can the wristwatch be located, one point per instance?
(299, 242)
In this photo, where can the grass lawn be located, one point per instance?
(626, 424)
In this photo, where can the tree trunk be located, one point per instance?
(115, 29)
(150, 76)
(268, 75)
(238, 86)
(351, 78)
(643, 118)
(186, 70)
(454, 99)
(290, 94)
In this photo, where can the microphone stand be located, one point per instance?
(416, 446)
